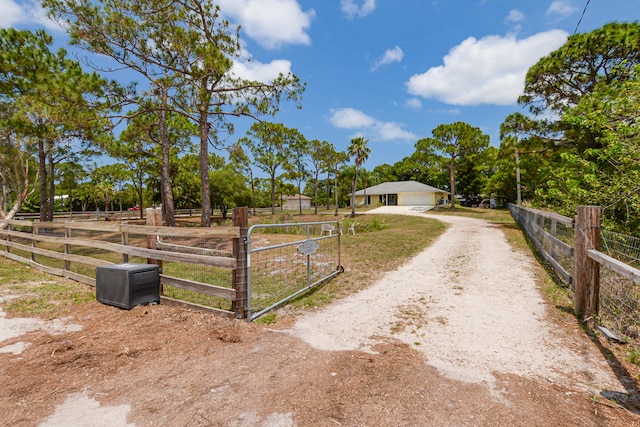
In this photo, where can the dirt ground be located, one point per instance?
(417, 361)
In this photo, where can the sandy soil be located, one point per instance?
(459, 336)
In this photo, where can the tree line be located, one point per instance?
(576, 143)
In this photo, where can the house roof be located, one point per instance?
(400, 187)
(296, 197)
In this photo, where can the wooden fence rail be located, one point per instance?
(584, 251)
(546, 240)
(26, 241)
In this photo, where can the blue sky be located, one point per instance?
(392, 70)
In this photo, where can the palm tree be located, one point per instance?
(359, 149)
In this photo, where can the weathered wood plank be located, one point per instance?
(145, 230)
(21, 222)
(15, 257)
(619, 267)
(212, 232)
(57, 255)
(80, 278)
(190, 285)
(559, 244)
(112, 227)
(196, 307)
(552, 215)
(189, 249)
(215, 261)
(556, 266)
(536, 230)
(564, 274)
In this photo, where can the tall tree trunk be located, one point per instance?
(205, 220)
(273, 194)
(20, 178)
(335, 189)
(42, 169)
(52, 185)
(315, 194)
(452, 183)
(165, 179)
(253, 191)
(138, 186)
(328, 190)
(353, 194)
(4, 195)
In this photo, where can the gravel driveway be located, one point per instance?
(470, 304)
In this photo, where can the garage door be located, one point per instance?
(414, 199)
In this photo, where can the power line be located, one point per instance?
(581, 16)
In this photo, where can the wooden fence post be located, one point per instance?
(154, 219)
(35, 231)
(586, 272)
(67, 248)
(239, 274)
(10, 228)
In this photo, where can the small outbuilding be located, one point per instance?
(293, 202)
(401, 193)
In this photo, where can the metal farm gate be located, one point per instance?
(286, 260)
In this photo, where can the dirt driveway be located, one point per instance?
(459, 336)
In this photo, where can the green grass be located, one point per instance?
(633, 355)
(268, 319)
(11, 271)
(196, 297)
(40, 293)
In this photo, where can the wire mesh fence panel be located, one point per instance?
(619, 296)
(621, 247)
(619, 304)
(285, 260)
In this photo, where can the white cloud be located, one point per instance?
(561, 9)
(390, 55)
(11, 13)
(491, 70)
(389, 131)
(413, 103)
(350, 118)
(25, 12)
(271, 23)
(352, 9)
(514, 16)
(257, 71)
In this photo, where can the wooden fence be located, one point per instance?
(188, 261)
(572, 248)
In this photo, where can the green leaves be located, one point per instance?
(606, 55)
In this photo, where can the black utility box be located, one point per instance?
(128, 285)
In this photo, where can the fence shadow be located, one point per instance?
(629, 400)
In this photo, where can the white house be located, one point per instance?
(401, 193)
